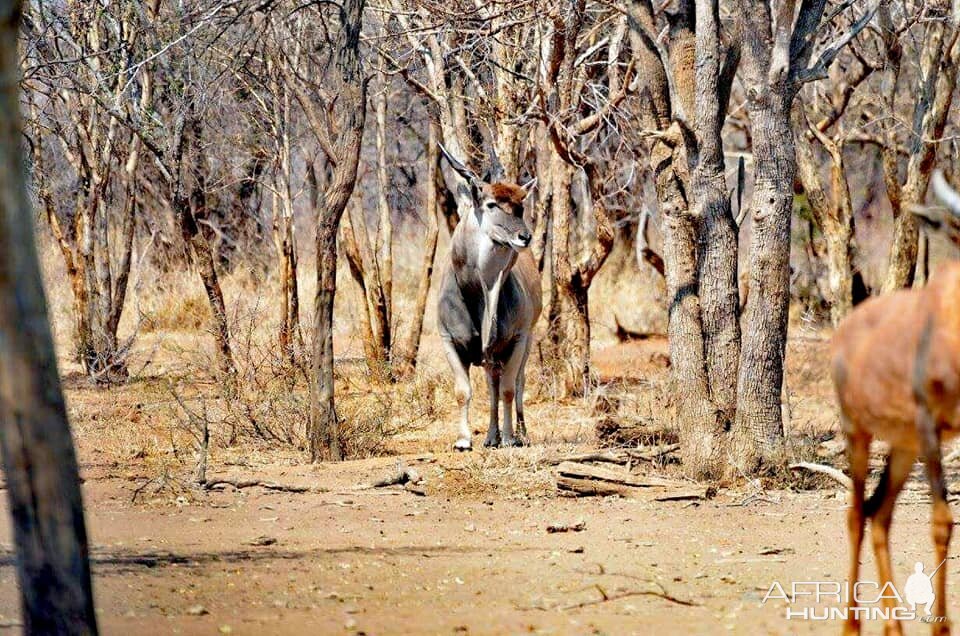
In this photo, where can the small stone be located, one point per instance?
(197, 610)
(262, 541)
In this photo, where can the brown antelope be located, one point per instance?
(490, 299)
(896, 369)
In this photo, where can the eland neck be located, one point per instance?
(477, 257)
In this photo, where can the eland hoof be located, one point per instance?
(513, 442)
(463, 445)
(492, 441)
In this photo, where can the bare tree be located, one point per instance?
(332, 91)
(564, 93)
(831, 203)
(43, 485)
(371, 257)
(73, 90)
(409, 346)
(938, 60)
(391, 352)
(685, 86)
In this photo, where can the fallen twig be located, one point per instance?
(652, 453)
(240, 484)
(604, 597)
(617, 456)
(831, 472)
(612, 457)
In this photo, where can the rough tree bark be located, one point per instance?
(43, 485)
(686, 87)
(777, 51)
(341, 143)
(769, 98)
(688, 73)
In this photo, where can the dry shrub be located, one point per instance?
(188, 312)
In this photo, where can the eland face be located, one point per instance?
(500, 212)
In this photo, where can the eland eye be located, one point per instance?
(490, 205)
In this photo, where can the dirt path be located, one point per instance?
(380, 562)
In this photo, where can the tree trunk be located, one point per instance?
(383, 256)
(568, 328)
(349, 113)
(290, 336)
(188, 213)
(701, 430)
(43, 487)
(765, 324)
(833, 215)
(324, 426)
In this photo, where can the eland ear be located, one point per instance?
(465, 172)
(528, 188)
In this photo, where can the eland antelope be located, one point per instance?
(490, 299)
(896, 369)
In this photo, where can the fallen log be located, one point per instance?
(601, 473)
(585, 480)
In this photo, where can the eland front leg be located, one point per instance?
(461, 387)
(493, 372)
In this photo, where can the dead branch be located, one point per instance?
(604, 597)
(240, 484)
(831, 472)
(612, 457)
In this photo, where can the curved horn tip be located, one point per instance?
(945, 193)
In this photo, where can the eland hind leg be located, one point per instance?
(512, 371)
(518, 399)
(942, 518)
(858, 455)
(463, 391)
(879, 509)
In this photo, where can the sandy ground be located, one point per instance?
(345, 560)
(391, 562)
